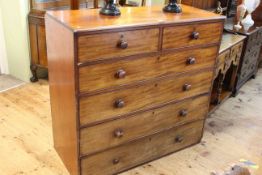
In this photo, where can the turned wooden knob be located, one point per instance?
(179, 139)
(122, 44)
(187, 87)
(116, 161)
(119, 103)
(191, 60)
(120, 73)
(195, 35)
(183, 113)
(118, 133)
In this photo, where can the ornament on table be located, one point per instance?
(250, 6)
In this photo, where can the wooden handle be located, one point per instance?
(119, 103)
(120, 74)
(122, 44)
(116, 161)
(191, 60)
(195, 35)
(118, 133)
(183, 113)
(179, 139)
(187, 87)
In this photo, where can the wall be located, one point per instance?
(14, 19)
(3, 56)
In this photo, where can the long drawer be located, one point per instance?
(191, 35)
(145, 96)
(105, 75)
(118, 44)
(141, 151)
(106, 135)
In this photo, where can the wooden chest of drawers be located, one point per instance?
(127, 90)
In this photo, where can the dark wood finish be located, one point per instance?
(95, 77)
(154, 94)
(62, 67)
(143, 150)
(129, 80)
(227, 67)
(251, 53)
(119, 131)
(257, 15)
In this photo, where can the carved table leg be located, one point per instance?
(33, 69)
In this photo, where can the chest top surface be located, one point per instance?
(91, 20)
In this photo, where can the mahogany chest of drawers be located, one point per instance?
(127, 90)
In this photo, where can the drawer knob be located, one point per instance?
(119, 103)
(191, 60)
(183, 113)
(179, 139)
(120, 73)
(195, 35)
(118, 133)
(187, 87)
(122, 44)
(116, 161)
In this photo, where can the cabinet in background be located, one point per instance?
(36, 19)
(226, 68)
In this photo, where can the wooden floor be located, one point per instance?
(232, 133)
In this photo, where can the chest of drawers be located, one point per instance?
(250, 57)
(127, 90)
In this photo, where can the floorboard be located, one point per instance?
(232, 133)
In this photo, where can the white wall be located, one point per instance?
(3, 56)
(14, 20)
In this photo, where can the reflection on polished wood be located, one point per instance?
(91, 20)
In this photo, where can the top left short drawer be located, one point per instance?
(117, 44)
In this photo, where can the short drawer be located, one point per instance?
(119, 44)
(191, 35)
(144, 150)
(110, 134)
(108, 105)
(105, 75)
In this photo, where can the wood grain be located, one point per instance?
(141, 151)
(90, 20)
(181, 36)
(104, 46)
(26, 139)
(62, 93)
(101, 107)
(96, 77)
(102, 136)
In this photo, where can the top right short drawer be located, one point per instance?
(191, 35)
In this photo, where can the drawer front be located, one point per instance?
(106, 135)
(127, 71)
(191, 35)
(118, 44)
(141, 151)
(113, 104)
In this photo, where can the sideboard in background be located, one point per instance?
(37, 34)
(228, 63)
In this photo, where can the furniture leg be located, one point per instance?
(33, 69)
